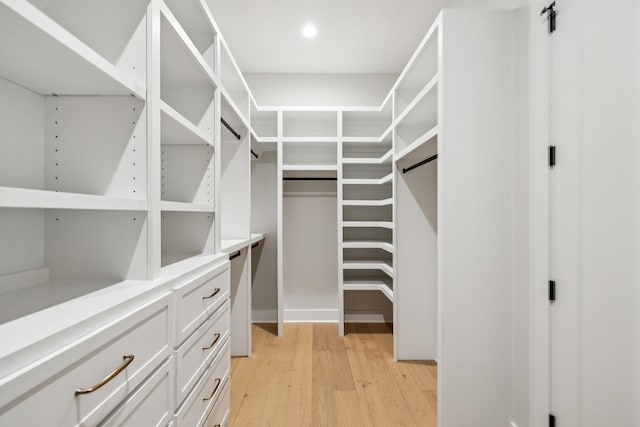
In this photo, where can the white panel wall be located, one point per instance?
(474, 220)
(320, 89)
(263, 219)
(310, 254)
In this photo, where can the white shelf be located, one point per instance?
(368, 265)
(384, 202)
(386, 158)
(40, 55)
(369, 285)
(178, 130)
(182, 63)
(227, 103)
(419, 143)
(365, 244)
(42, 199)
(432, 85)
(319, 168)
(368, 224)
(232, 245)
(310, 139)
(184, 207)
(360, 181)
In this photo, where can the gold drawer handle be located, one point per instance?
(215, 292)
(128, 358)
(213, 343)
(218, 380)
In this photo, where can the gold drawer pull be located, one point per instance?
(215, 292)
(213, 343)
(218, 380)
(128, 358)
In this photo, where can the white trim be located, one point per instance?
(366, 316)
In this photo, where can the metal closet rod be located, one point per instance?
(255, 245)
(417, 165)
(228, 126)
(253, 153)
(310, 178)
(234, 255)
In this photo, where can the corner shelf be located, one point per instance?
(386, 158)
(369, 265)
(371, 181)
(368, 224)
(367, 244)
(373, 284)
(384, 202)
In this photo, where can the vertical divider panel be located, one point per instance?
(340, 230)
(153, 140)
(217, 143)
(394, 236)
(280, 147)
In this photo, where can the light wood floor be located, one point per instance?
(311, 377)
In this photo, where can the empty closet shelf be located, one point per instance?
(27, 198)
(185, 207)
(310, 168)
(368, 265)
(384, 202)
(369, 285)
(233, 245)
(421, 146)
(429, 89)
(178, 130)
(385, 158)
(368, 224)
(54, 61)
(363, 244)
(375, 181)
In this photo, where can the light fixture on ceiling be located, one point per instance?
(309, 31)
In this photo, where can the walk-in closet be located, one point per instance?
(328, 214)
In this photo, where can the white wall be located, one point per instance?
(520, 217)
(320, 89)
(263, 219)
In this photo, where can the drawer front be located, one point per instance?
(198, 298)
(197, 352)
(150, 405)
(120, 355)
(219, 416)
(194, 410)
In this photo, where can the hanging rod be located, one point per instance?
(417, 165)
(255, 245)
(234, 255)
(253, 153)
(299, 178)
(228, 126)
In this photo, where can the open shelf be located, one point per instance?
(187, 174)
(384, 202)
(310, 168)
(421, 68)
(234, 117)
(310, 124)
(419, 122)
(368, 124)
(185, 234)
(384, 266)
(264, 123)
(368, 244)
(233, 83)
(194, 18)
(368, 224)
(369, 284)
(310, 153)
(384, 159)
(178, 130)
(26, 198)
(424, 145)
(72, 67)
(369, 181)
(185, 207)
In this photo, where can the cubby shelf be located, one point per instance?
(384, 202)
(369, 265)
(11, 197)
(184, 207)
(417, 145)
(368, 224)
(366, 244)
(386, 158)
(369, 285)
(178, 130)
(181, 60)
(50, 60)
(234, 107)
(310, 168)
(372, 181)
(432, 85)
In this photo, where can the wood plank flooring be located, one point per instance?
(312, 377)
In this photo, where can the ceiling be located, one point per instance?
(354, 36)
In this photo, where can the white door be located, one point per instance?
(594, 199)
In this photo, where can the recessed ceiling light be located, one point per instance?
(309, 31)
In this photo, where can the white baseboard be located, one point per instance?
(318, 315)
(367, 316)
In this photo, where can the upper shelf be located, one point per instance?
(178, 130)
(43, 199)
(37, 53)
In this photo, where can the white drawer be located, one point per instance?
(151, 405)
(219, 417)
(197, 352)
(143, 333)
(198, 298)
(194, 410)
